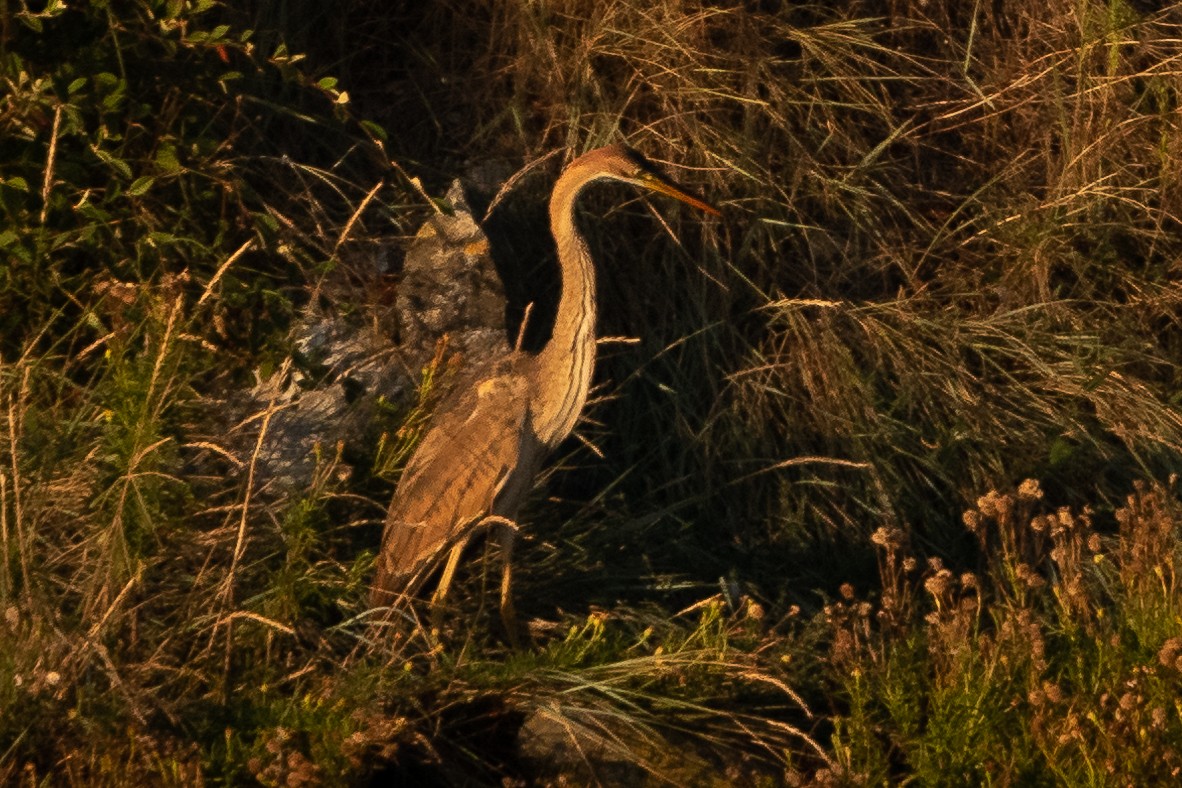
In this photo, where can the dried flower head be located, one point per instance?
(1029, 577)
(1169, 652)
(1030, 490)
(939, 583)
(888, 537)
(988, 503)
(972, 520)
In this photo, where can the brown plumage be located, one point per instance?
(487, 441)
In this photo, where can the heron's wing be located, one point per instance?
(472, 447)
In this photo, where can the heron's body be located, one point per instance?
(486, 442)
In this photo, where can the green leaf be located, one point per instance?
(118, 164)
(328, 83)
(76, 85)
(167, 161)
(94, 213)
(8, 238)
(158, 238)
(140, 185)
(374, 129)
(18, 183)
(267, 221)
(1061, 451)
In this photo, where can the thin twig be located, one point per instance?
(49, 161)
(356, 215)
(222, 270)
(508, 185)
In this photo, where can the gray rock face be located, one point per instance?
(325, 394)
(450, 288)
(553, 743)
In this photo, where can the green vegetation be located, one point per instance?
(884, 492)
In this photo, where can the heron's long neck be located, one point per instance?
(566, 362)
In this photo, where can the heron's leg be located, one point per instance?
(508, 535)
(449, 571)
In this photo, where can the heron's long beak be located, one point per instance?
(663, 186)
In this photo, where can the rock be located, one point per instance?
(450, 288)
(555, 743)
(325, 393)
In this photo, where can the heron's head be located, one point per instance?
(621, 163)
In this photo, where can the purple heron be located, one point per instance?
(486, 442)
